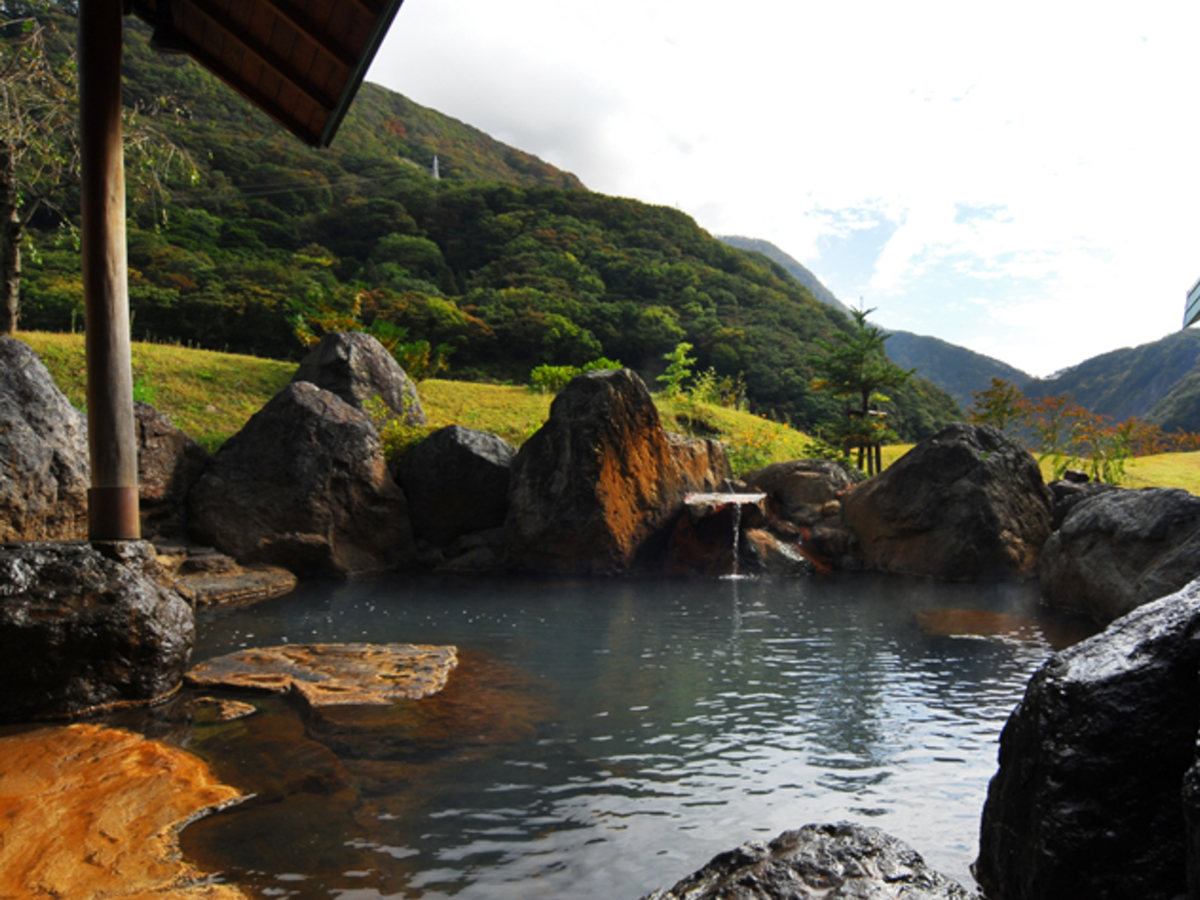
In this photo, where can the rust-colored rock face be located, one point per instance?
(601, 479)
(965, 504)
(43, 452)
(93, 812)
(333, 674)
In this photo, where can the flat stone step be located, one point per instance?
(333, 674)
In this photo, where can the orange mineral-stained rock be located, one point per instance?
(94, 812)
(598, 486)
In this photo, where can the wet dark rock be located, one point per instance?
(600, 484)
(1087, 799)
(304, 486)
(1066, 494)
(84, 626)
(830, 862)
(966, 504)
(169, 463)
(456, 482)
(44, 474)
(356, 367)
(1118, 549)
(478, 552)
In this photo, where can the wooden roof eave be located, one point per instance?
(359, 72)
(327, 109)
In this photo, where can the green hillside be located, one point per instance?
(1159, 382)
(506, 263)
(797, 270)
(959, 371)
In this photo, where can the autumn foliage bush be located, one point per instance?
(1071, 437)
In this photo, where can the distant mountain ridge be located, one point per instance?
(797, 271)
(1158, 382)
(956, 370)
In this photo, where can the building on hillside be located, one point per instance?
(1191, 312)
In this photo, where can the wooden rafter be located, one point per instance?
(280, 65)
(300, 61)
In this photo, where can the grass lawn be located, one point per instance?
(211, 395)
(1177, 470)
(206, 394)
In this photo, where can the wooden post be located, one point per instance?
(112, 499)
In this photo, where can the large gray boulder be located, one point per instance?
(600, 483)
(356, 367)
(800, 488)
(304, 485)
(84, 626)
(44, 473)
(169, 463)
(1087, 799)
(966, 504)
(456, 482)
(829, 862)
(1118, 549)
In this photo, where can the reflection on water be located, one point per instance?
(601, 739)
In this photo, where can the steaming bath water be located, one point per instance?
(603, 738)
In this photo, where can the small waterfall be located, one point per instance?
(707, 504)
(737, 536)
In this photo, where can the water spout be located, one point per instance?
(701, 505)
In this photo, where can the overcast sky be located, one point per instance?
(1018, 178)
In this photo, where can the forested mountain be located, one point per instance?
(958, 371)
(1159, 382)
(506, 261)
(797, 270)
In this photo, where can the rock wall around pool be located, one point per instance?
(1097, 792)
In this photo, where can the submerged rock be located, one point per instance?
(95, 812)
(601, 482)
(965, 504)
(333, 674)
(357, 367)
(84, 626)
(1087, 799)
(44, 474)
(304, 486)
(819, 862)
(456, 482)
(1118, 549)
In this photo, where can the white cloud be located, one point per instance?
(855, 135)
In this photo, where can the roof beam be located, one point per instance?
(310, 33)
(259, 98)
(264, 54)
